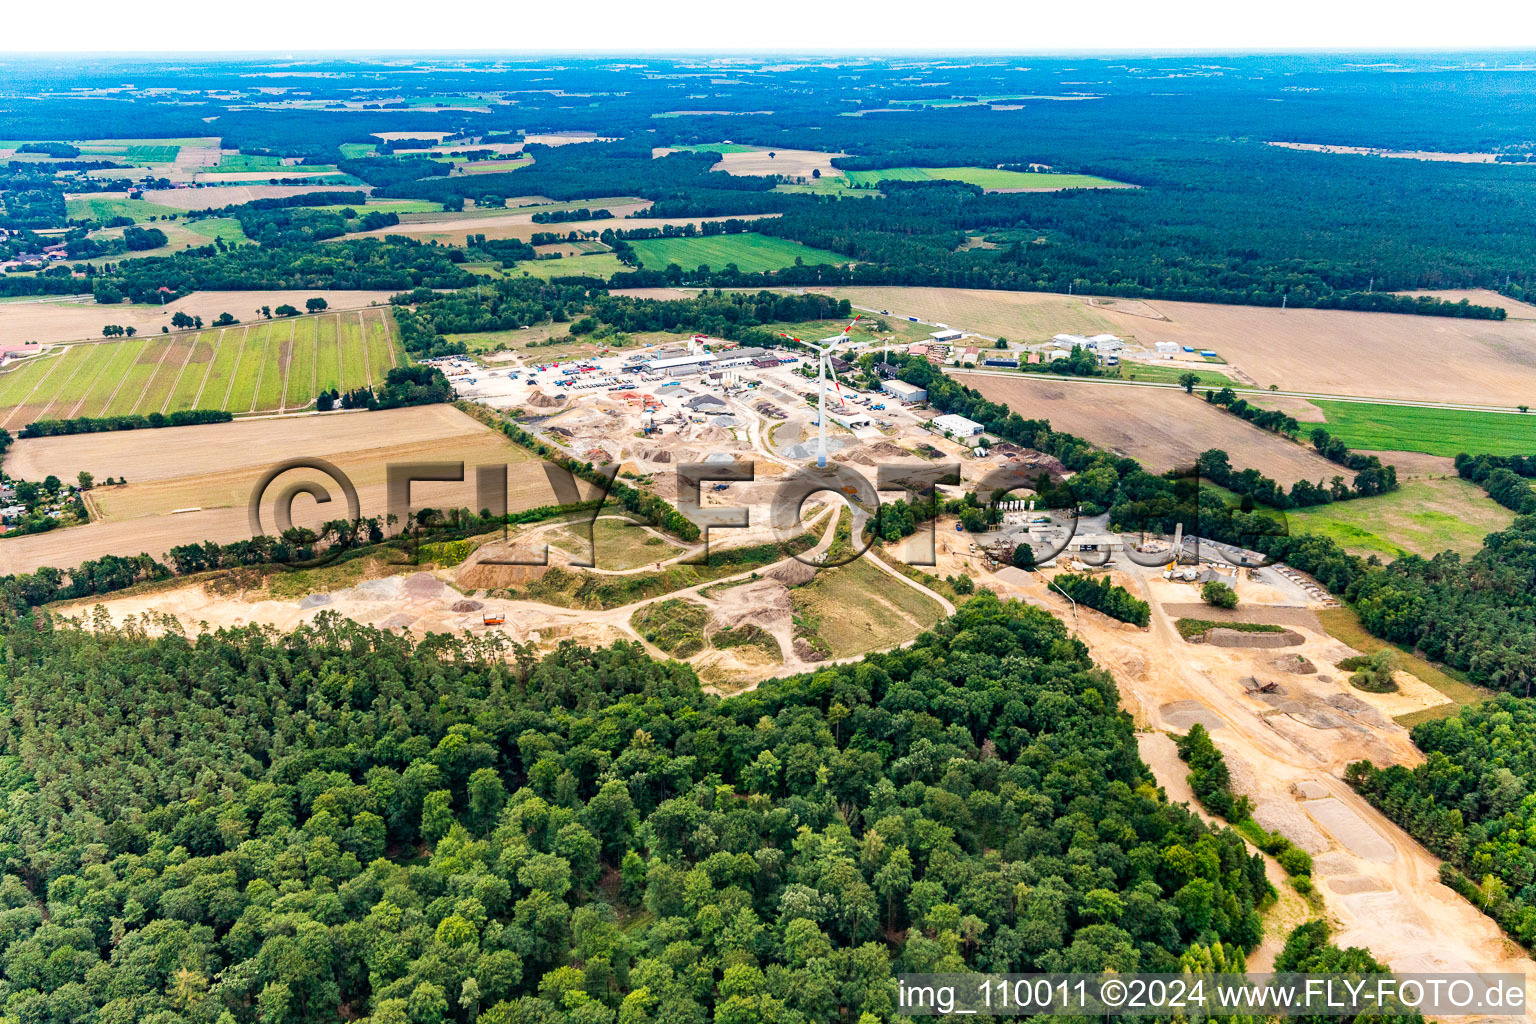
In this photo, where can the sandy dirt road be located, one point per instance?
(1288, 753)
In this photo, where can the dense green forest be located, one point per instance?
(1217, 214)
(341, 822)
(1472, 803)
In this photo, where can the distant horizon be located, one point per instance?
(608, 27)
(281, 53)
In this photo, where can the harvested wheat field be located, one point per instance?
(1515, 309)
(1017, 316)
(522, 226)
(1328, 352)
(82, 319)
(792, 163)
(1337, 352)
(1162, 428)
(188, 484)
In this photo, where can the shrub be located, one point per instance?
(1219, 595)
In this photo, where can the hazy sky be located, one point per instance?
(779, 25)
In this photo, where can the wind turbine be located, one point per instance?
(824, 367)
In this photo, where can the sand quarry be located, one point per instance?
(457, 600)
(1287, 750)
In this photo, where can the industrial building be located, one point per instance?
(1100, 343)
(947, 336)
(904, 392)
(740, 357)
(852, 420)
(956, 426)
(679, 366)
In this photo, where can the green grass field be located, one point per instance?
(301, 365)
(985, 177)
(132, 383)
(147, 153)
(253, 358)
(1409, 428)
(601, 265)
(241, 162)
(1422, 517)
(104, 208)
(263, 366)
(274, 373)
(752, 253)
(354, 370)
(210, 228)
(830, 186)
(153, 154)
(327, 355)
(1155, 374)
(157, 393)
(195, 372)
(116, 360)
(381, 352)
(73, 378)
(385, 206)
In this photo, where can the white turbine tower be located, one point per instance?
(823, 368)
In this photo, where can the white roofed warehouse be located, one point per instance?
(956, 426)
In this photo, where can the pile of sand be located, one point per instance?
(422, 586)
(539, 400)
(466, 606)
(1239, 638)
(474, 574)
(792, 573)
(887, 450)
(1181, 714)
(1295, 664)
